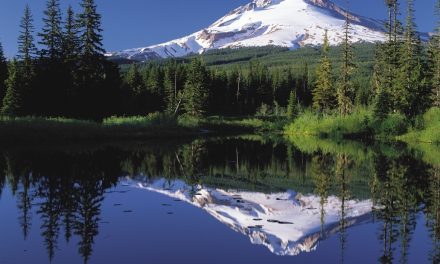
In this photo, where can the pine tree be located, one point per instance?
(410, 95)
(345, 87)
(172, 79)
(133, 79)
(90, 31)
(323, 94)
(292, 105)
(12, 102)
(70, 38)
(26, 46)
(196, 91)
(3, 73)
(69, 58)
(434, 52)
(51, 35)
(26, 55)
(90, 72)
(386, 63)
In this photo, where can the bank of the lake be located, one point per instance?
(362, 124)
(152, 126)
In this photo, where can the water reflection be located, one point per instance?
(285, 195)
(286, 223)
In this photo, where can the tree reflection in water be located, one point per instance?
(66, 188)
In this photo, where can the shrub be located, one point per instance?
(332, 125)
(152, 119)
(393, 125)
(428, 128)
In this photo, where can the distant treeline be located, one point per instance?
(69, 75)
(241, 81)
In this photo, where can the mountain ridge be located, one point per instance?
(285, 23)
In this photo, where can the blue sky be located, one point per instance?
(137, 23)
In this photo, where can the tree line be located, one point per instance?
(404, 79)
(70, 76)
(405, 76)
(70, 185)
(198, 90)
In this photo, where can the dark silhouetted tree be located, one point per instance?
(51, 35)
(26, 55)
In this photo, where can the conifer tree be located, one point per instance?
(26, 55)
(26, 46)
(51, 35)
(3, 73)
(386, 64)
(134, 80)
(91, 73)
(323, 94)
(69, 58)
(172, 78)
(196, 91)
(292, 105)
(345, 87)
(410, 95)
(434, 66)
(12, 102)
(89, 23)
(70, 37)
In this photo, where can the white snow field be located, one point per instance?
(285, 23)
(286, 223)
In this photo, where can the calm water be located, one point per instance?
(221, 200)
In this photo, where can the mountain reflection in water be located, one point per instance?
(286, 223)
(56, 195)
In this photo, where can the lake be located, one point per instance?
(244, 199)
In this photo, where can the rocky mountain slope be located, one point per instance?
(286, 23)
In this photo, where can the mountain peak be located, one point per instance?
(285, 23)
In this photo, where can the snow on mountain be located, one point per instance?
(286, 23)
(286, 223)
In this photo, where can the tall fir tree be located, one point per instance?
(345, 87)
(386, 63)
(434, 59)
(70, 43)
(3, 73)
(12, 102)
(51, 74)
(69, 59)
(91, 61)
(89, 22)
(410, 95)
(26, 55)
(172, 85)
(26, 46)
(196, 90)
(51, 35)
(323, 93)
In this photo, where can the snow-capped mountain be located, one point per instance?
(286, 23)
(286, 223)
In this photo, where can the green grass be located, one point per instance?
(359, 125)
(331, 125)
(15, 130)
(429, 131)
(150, 120)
